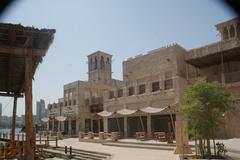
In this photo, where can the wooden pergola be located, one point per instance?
(21, 50)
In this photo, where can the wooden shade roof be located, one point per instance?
(16, 43)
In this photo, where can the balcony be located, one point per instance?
(95, 100)
(230, 77)
(95, 104)
(95, 108)
(211, 54)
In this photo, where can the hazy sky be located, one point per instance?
(123, 28)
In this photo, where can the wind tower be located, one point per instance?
(100, 67)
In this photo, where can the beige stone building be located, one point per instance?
(156, 79)
(220, 61)
(151, 91)
(83, 99)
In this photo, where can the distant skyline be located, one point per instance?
(121, 28)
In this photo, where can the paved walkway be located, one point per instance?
(119, 153)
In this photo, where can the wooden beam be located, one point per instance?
(30, 142)
(10, 95)
(10, 68)
(14, 118)
(22, 51)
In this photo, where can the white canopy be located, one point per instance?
(45, 119)
(61, 118)
(152, 110)
(126, 111)
(105, 113)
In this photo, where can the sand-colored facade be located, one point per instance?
(157, 79)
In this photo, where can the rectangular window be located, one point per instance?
(155, 86)
(120, 92)
(168, 84)
(130, 91)
(65, 103)
(74, 102)
(141, 89)
(69, 102)
(111, 94)
(87, 101)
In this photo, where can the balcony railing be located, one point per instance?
(213, 48)
(95, 100)
(230, 77)
(96, 108)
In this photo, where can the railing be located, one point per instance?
(230, 77)
(11, 149)
(96, 108)
(213, 48)
(96, 100)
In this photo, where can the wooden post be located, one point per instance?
(40, 139)
(141, 121)
(182, 146)
(22, 137)
(118, 125)
(149, 125)
(14, 118)
(125, 129)
(56, 142)
(99, 128)
(30, 145)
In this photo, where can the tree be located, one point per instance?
(205, 105)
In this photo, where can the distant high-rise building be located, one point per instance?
(0, 109)
(41, 111)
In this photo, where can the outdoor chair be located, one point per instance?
(115, 136)
(169, 137)
(160, 136)
(141, 136)
(90, 135)
(102, 136)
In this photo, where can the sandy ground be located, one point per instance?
(233, 144)
(120, 153)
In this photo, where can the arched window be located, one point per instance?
(102, 65)
(107, 63)
(232, 31)
(95, 63)
(225, 33)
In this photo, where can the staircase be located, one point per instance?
(155, 146)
